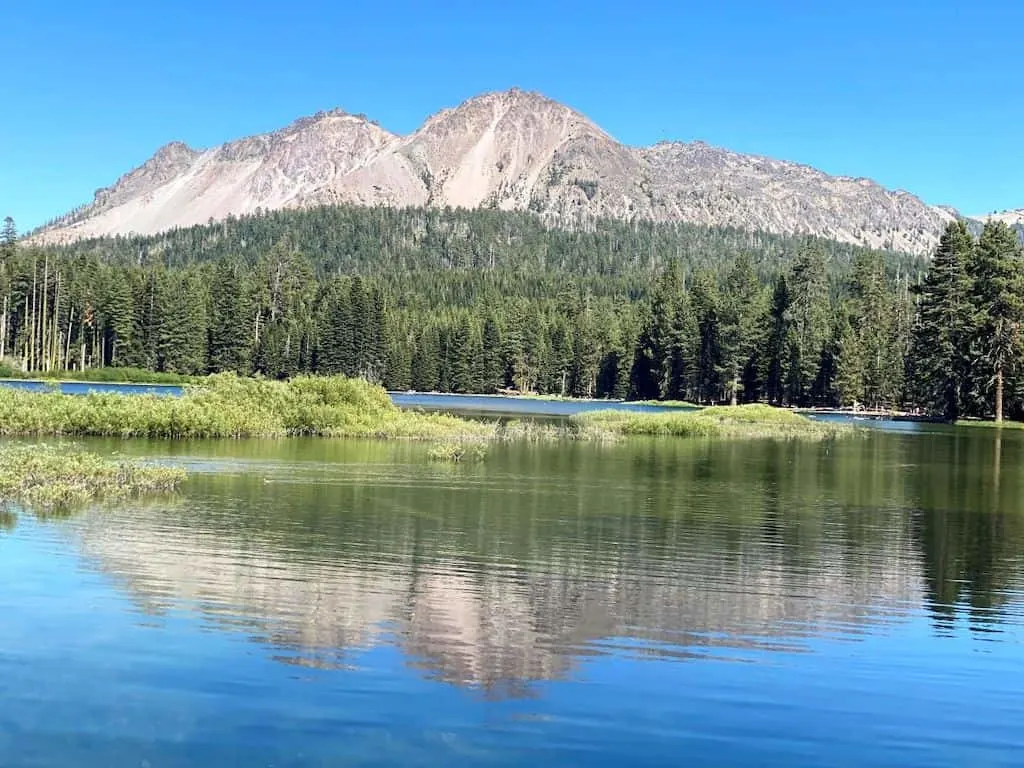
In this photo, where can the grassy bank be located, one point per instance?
(718, 421)
(229, 406)
(46, 477)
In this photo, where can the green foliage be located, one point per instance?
(47, 477)
(997, 282)
(741, 421)
(457, 451)
(940, 355)
(491, 301)
(229, 406)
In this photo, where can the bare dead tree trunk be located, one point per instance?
(999, 393)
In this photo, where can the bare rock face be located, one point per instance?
(512, 150)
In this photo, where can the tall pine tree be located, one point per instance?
(997, 272)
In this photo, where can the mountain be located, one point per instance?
(512, 150)
(1013, 218)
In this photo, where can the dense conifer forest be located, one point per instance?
(484, 301)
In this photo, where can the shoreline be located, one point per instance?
(236, 407)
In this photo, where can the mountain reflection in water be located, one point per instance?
(506, 574)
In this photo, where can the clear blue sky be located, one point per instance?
(923, 95)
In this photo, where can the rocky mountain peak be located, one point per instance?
(513, 150)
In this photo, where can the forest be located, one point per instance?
(488, 301)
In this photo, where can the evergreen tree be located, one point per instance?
(336, 354)
(181, 334)
(8, 239)
(776, 373)
(425, 373)
(119, 321)
(229, 345)
(943, 326)
(360, 329)
(808, 331)
(706, 306)
(659, 341)
(493, 370)
(743, 325)
(873, 353)
(997, 271)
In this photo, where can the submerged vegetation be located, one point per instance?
(48, 477)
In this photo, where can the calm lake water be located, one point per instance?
(323, 603)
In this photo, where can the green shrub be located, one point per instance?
(226, 405)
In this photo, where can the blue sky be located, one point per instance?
(918, 94)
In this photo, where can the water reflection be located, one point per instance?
(507, 574)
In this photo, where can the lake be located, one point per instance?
(674, 602)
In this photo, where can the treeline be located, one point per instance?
(607, 255)
(699, 314)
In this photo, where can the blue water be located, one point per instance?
(513, 405)
(654, 603)
(85, 387)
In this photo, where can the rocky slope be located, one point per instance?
(1013, 218)
(512, 150)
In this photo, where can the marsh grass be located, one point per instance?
(740, 421)
(458, 451)
(47, 478)
(228, 406)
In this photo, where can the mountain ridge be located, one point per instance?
(509, 150)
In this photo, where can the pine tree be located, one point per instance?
(181, 330)
(425, 373)
(997, 272)
(493, 370)
(653, 375)
(706, 301)
(229, 345)
(807, 316)
(776, 373)
(743, 324)
(943, 326)
(336, 354)
(119, 314)
(359, 329)
(8, 239)
(874, 353)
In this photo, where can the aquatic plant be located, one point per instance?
(457, 451)
(717, 421)
(47, 477)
